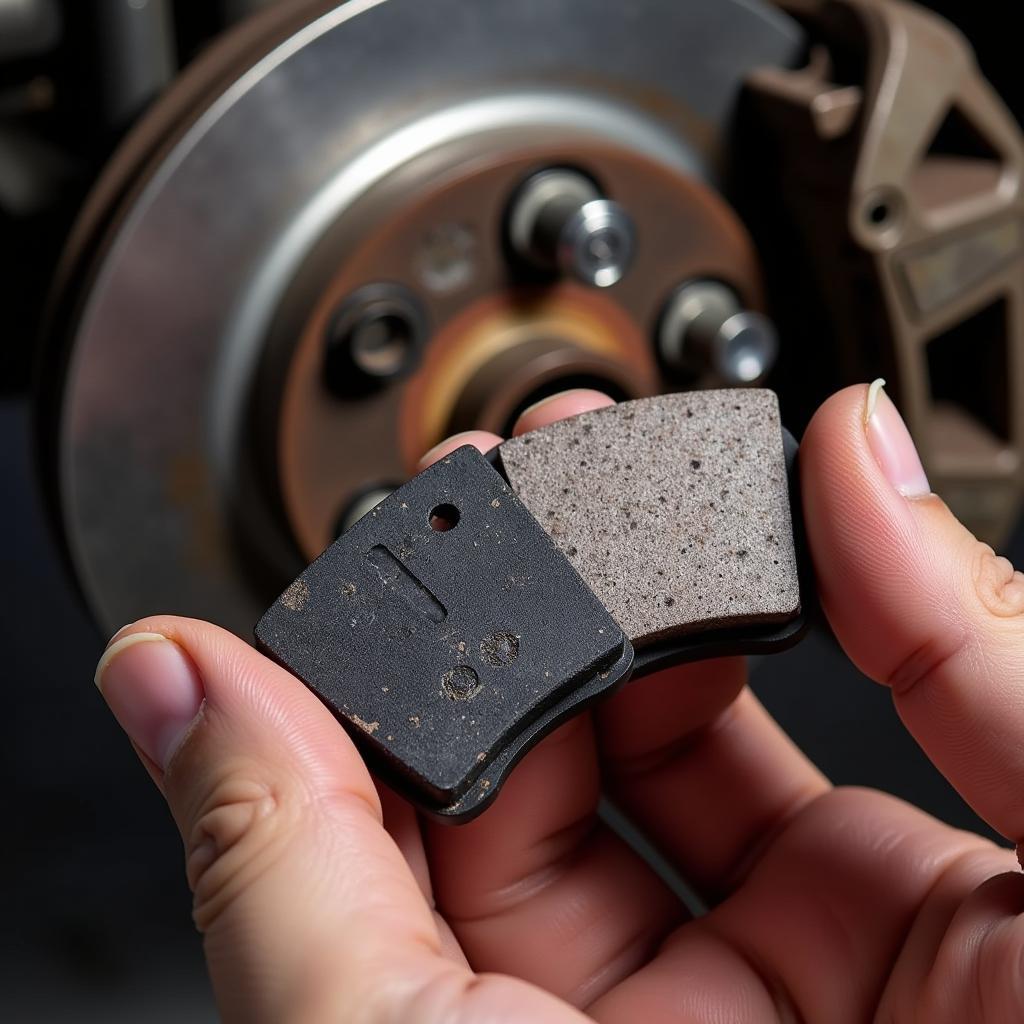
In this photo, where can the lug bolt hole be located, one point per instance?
(380, 344)
(376, 336)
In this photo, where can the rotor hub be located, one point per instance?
(314, 276)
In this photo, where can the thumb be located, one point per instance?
(917, 602)
(300, 893)
(308, 910)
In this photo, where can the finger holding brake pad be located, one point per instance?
(491, 598)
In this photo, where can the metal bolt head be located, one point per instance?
(704, 329)
(596, 244)
(559, 222)
(746, 348)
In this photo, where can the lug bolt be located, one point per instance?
(376, 336)
(560, 222)
(705, 329)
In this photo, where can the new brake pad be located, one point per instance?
(492, 597)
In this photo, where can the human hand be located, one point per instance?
(322, 897)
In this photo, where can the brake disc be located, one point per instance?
(335, 243)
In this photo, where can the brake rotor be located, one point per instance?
(207, 444)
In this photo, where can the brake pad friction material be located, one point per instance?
(675, 510)
(447, 652)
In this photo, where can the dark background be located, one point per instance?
(94, 904)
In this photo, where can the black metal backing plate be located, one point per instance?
(447, 653)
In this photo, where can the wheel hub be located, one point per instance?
(207, 447)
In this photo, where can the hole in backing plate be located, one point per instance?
(444, 517)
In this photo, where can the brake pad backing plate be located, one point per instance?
(675, 510)
(441, 646)
(490, 598)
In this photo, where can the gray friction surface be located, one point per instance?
(675, 510)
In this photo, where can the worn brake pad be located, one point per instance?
(489, 599)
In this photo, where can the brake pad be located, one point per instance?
(491, 598)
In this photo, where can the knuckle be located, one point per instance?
(240, 830)
(999, 588)
(928, 661)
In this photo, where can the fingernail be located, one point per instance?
(891, 444)
(153, 690)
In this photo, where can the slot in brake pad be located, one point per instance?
(491, 598)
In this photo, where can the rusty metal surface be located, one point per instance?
(496, 345)
(904, 170)
(158, 509)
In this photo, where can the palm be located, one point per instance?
(828, 905)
